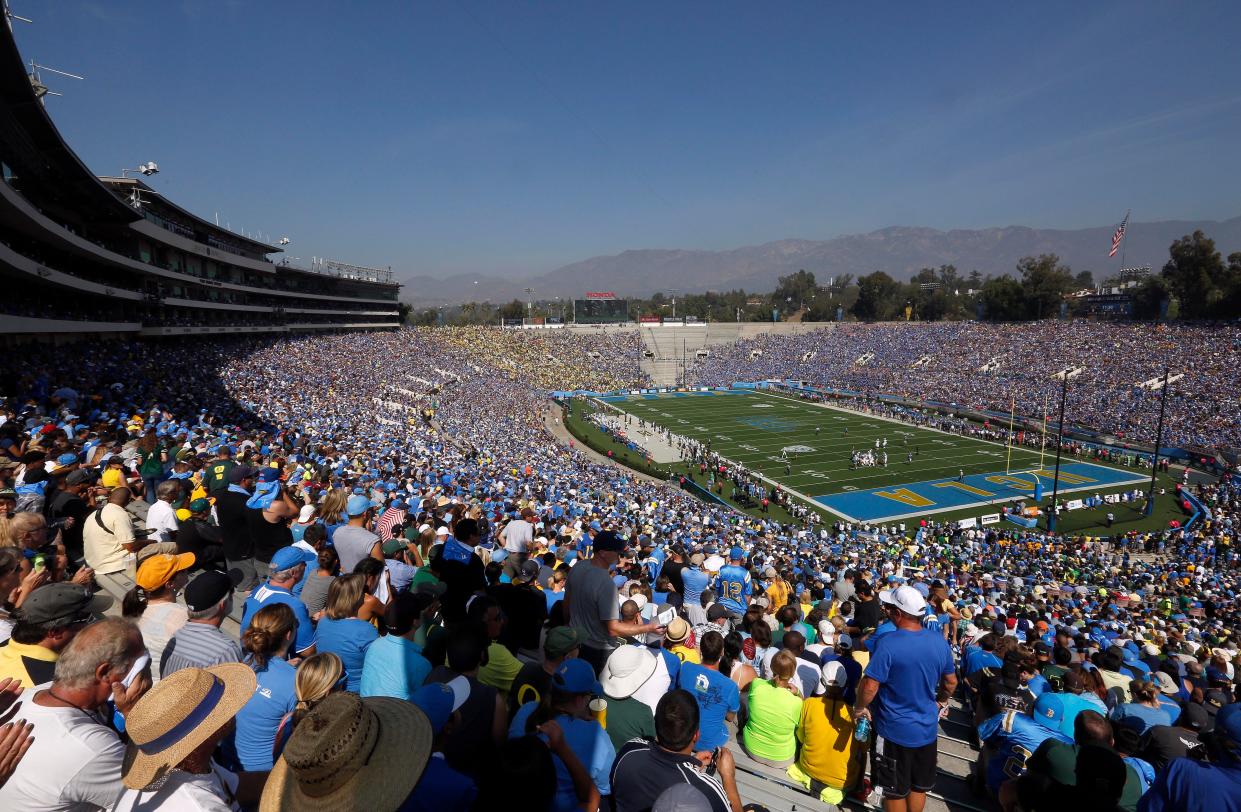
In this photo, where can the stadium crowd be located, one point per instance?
(359, 572)
(981, 366)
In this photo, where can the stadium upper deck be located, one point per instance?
(110, 255)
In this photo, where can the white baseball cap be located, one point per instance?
(909, 601)
(832, 675)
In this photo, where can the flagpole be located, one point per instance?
(1055, 482)
(1043, 444)
(1123, 246)
(1008, 463)
(1163, 402)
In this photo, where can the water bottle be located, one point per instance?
(861, 731)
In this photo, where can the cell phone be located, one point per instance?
(713, 765)
(139, 664)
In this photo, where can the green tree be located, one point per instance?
(793, 291)
(403, 312)
(1149, 296)
(1196, 275)
(515, 309)
(1003, 299)
(1044, 282)
(878, 297)
(1083, 280)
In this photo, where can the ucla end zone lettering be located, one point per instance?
(937, 496)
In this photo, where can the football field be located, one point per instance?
(807, 449)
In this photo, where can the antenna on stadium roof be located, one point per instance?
(10, 16)
(36, 80)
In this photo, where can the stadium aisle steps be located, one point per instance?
(771, 787)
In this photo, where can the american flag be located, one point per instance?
(1118, 236)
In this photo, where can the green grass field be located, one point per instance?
(752, 429)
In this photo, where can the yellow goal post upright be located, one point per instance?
(1035, 473)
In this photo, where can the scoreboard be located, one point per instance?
(600, 311)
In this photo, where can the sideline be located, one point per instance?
(555, 426)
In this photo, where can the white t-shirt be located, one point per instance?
(185, 792)
(73, 764)
(650, 692)
(158, 624)
(517, 535)
(162, 518)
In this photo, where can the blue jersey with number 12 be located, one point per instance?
(733, 587)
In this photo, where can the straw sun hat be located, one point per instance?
(184, 710)
(351, 753)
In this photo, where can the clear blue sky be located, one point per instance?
(512, 137)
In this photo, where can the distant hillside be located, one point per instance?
(899, 250)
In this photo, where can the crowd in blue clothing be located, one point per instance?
(412, 468)
(981, 365)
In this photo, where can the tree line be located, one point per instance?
(1195, 283)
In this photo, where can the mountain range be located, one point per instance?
(899, 250)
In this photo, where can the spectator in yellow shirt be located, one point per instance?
(114, 473)
(777, 591)
(677, 640)
(831, 760)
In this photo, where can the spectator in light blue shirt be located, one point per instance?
(341, 631)
(394, 665)
(1144, 711)
(266, 643)
(694, 580)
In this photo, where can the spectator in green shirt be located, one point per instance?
(769, 737)
(626, 670)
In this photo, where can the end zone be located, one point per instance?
(974, 490)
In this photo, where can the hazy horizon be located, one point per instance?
(482, 138)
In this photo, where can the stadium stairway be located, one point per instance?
(773, 789)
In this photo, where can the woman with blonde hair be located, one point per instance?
(770, 735)
(317, 676)
(266, 643)
(332, 511)
(341, 631)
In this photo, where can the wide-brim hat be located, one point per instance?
(627, 669)
(180, 713)
(351, 753)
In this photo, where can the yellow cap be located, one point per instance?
(158, 569)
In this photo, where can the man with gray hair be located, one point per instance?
(75, 759)
(287, 567)
(200, 643)
(161, 517)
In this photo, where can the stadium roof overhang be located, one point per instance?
(156, 201)
(35, 146)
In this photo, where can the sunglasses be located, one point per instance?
(339, 685)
